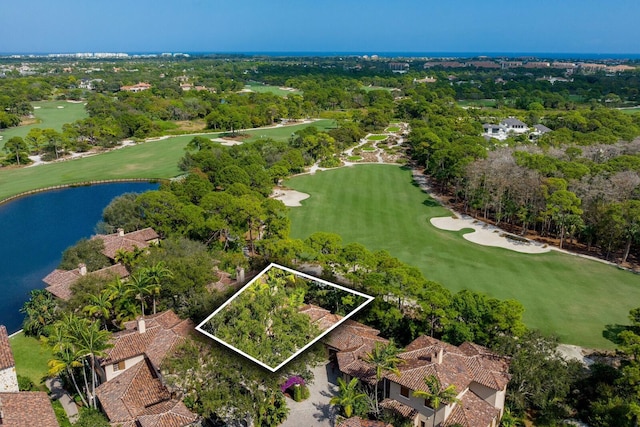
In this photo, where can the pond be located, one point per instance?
(35, 231)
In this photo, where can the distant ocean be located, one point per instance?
(542, 55)
(537, 55)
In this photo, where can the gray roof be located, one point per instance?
(512, 121)
(541, 128)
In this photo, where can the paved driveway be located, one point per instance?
(316, 410)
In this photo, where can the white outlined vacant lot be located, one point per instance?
(279, 314)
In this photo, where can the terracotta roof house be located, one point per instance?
(348, 344)
(132, 393)
(139, 87)
(140, 239)
(152, 337)
(27, 409)
(359, 422)
(138, 398)
(322, 318)
(60, 281)
(20, 408)
(480, 377)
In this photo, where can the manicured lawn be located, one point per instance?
(393, 129)
(31, 357)
(283, 133)
(157, 159)
(635, 110)
(261, 88)
(377, 137)
(382, 209)
(49, 116)
(370, 88)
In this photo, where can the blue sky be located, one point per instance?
(373, 26)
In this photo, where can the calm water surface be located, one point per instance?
(36, 229)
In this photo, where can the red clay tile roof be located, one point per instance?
(6, 355)
(138, 394)
(60, 281)
(354, 340)
(323, 318)
(460, 365)
(163, 331)
(27, 409)
(136, 239)
(472, 411)
(359, 422)
(400, 408)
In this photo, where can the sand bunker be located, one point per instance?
(489, 235)
(290, 198)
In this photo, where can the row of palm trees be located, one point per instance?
(385, 360)
(119, 300)
(76, 343)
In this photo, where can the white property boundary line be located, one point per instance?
(200, 329)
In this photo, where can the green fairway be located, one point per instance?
(276, 90)
(49, 115)
(378, 206)
(31, 357)
(284, 132)
(377, 137)
(157, 159)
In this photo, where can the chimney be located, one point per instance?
(83, 269)
(120, 232)
(439, 355)
(142, 327)
(240, 274)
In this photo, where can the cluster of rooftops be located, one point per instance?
(132, 392)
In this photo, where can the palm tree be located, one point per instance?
(64, 345)
(155, 275)
(436, 395)
(140, 288)
(92, 342)
(124, 307)
(348, 396)
(129, 258)
(385, 359)
(100, 306)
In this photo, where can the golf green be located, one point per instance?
(49, 114)
(380, 207)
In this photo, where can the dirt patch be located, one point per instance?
(191, 125)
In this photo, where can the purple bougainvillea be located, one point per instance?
(294, 380)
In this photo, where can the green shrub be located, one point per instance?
(25, 384)
(300, 393)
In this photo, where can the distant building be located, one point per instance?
(506, 128)
(399, 67)
(136, 88)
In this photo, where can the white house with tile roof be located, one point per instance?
(480, 377)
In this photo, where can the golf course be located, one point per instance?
(152, 160)
(380, 207)
(47, 114)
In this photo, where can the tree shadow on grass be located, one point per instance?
(431, 203)
(611, 332)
